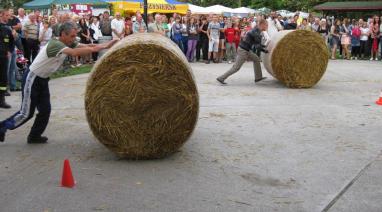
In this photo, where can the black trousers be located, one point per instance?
(33, 46)
(35, 95)
(363, 48)
(202, 45)
(95, 54)
(3, 73)
(355, 51)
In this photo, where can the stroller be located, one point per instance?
(22, 65)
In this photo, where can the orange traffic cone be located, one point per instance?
(379, 101)
(67, 176)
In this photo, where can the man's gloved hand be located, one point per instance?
(263, 48)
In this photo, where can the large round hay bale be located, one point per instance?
(141, 98)
(297, 58)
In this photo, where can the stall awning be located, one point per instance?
(38, 4)
(79, 2)
(46, 4)
(154, 6)
(350, 6)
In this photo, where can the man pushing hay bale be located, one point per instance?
(297, 58)
(141, 99)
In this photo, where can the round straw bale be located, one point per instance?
(297, 58)
(141, 99)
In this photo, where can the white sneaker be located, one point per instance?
(371, 59)
(356, 58)
(229, 62)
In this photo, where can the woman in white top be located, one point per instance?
(95, 27)
(95, 33)
(45, 34)
(365, 32)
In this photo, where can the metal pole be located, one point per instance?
(145, 12)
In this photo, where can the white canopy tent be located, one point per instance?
(243, 10)
(197, 10)
(219, 9)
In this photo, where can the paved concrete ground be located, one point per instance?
(256, 147)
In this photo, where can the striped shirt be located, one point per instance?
(31, 30)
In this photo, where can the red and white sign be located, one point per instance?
(81, 9)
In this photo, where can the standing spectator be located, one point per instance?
(273, 24)
(222, 22)
(237, 36)
(374, 32)
(335, 40)
(118, 26)
(6, 47)
(23, 20)
(150, 19)
(192, 30)
(31, 31)
(165, 26)
(128, 26)
(45, 34)
(323, 30)
(230, 43)
(87, 19)
(305, 25)
(95, 28)
(281, 21)
(85, 37)
(355, 41)
(316, 25)
(157, 26)
(213, 37)
(184, 34)
(139, 23)
(169, 25)
(15, 26)
(54, 14)
(380, 34)
(177, 33)
(203, 40)
(293, 22)
(53, 24)
(105, 24)
(365, 32)
(37, 13)
(345, 38)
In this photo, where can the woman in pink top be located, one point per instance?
(374, 33)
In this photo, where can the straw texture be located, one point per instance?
(298, 58)
(141, 99)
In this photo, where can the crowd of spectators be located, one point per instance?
(207, 38)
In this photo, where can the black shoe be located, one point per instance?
(2, 136)
(221, 81)
(3, 104)
(262, 78)
(6, 93)
(208, 62)
(37, 140)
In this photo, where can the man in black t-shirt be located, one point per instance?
(15, 25)
(203, 40)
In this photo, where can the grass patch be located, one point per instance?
(72, 71)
